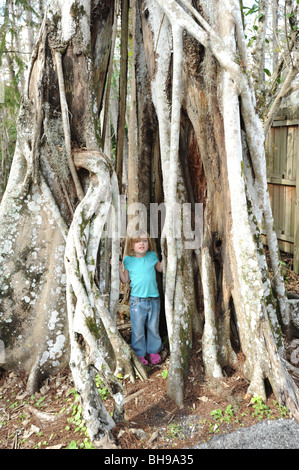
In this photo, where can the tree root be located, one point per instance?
(92, 327)
(43, 416)
(106, 442)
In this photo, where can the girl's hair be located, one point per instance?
(135, 237)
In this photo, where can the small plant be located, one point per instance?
(102, 389)
(217, 414)
(72, 445)
(77, 420)
(283, 410)
(86, 444)
(164, 374)
(40, 401)
(221, 417)
(175, 431)
(260, 408)
(14, 405)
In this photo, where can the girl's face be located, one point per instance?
(141, 247)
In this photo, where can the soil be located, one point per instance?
(291, 279)
(52, 418)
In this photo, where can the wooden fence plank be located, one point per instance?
(296, 208)
(282, 153)
(290, 160)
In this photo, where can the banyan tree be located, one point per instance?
(194, 137)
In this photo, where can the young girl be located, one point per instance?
(140, 265)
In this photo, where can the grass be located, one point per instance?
(231, 418)
(176, 433)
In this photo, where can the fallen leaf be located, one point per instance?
(58, 446)
(33, 430)
(204, 399)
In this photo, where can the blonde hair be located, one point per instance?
(135, 237)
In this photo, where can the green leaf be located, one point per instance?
(267, 72)
(88, 444)
(251, 41)
(72, 445)
(252, 10)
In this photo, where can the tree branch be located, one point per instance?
(285, 89)
(66, 125)
(110, 69)
(122, 90)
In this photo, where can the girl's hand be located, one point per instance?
(119, 263)
(123, 274)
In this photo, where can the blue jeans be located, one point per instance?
(144, 314)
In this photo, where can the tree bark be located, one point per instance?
(122, 91)
(57, 200)
(260, 47)
(234, 276)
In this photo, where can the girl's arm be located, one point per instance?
(159, 266)
(123, 274)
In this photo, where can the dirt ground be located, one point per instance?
(52, 418)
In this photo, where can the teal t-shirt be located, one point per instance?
(143, 274)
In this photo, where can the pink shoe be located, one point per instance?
(155, 358)
(144, 361)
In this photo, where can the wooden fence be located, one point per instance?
(282, 153)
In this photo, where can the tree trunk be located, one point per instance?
(58, 164)
(219, 103)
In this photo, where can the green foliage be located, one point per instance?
(262, 411)
(175, 431)
(76, 417)
(219, 416)
(92, 326)
(267, 72)
(13, 63)
(76, 420)
(8, 131)
(103, 390)
(72, 445)
(251, 10)
(283, 410)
